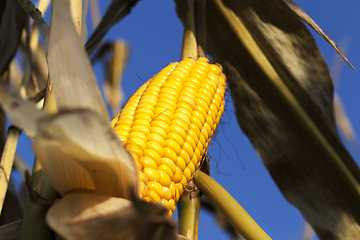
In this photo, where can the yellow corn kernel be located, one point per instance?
(159, 131)
(180, 163)
(156, 138)
(172, 204)
(173, 145)
(177, 138)
(169, 163)
(165, 203)
(167, 193)
(167, 125)
(187, 174)
(150, 173)
(137, 141)
(155, 146)
(135, 149)
(170, 153)
(147, 162)
(153, 196)
(166, 169)
(178, 175)
(154, 155)
(157, 187)
(163, 178)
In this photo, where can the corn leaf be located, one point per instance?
(12, 21)
(91, 216)
(116, 11)
(23, 114)
(309, 21)
(283, 96)
(71, 75)
(35, 14)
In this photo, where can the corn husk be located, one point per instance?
(92, 216)
(73, 80)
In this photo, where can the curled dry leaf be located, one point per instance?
(283, 96)
(12, 21)
(92, 216)
(80, 152)
(71, 75)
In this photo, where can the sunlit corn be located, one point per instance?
(168, 123)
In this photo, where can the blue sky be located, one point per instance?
(154, 34)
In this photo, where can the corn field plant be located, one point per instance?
(86, 183)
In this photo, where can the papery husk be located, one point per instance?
(71, 75)
(283, 96)
(78, 149)
(92, 217)
(80, 152)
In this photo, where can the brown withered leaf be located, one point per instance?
(116, 11)
(71, 75)
(283, 96)
(92, 216)
(12, 22)
(308, 20)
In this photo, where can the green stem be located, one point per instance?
(231, 209)
(188, 212)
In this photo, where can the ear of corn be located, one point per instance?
(168, 123)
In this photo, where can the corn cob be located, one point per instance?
(168, 123)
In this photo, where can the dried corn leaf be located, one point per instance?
(35, 14)
(307, 19)
(12, 21)
(11, 231)
(95, 13)
(343, 121)
(92, 216)
(23, 114)
(71, 75)
(283, 96)
(80, 152)
(116, 11)
(113, 92)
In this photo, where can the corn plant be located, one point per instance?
(94, 178)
